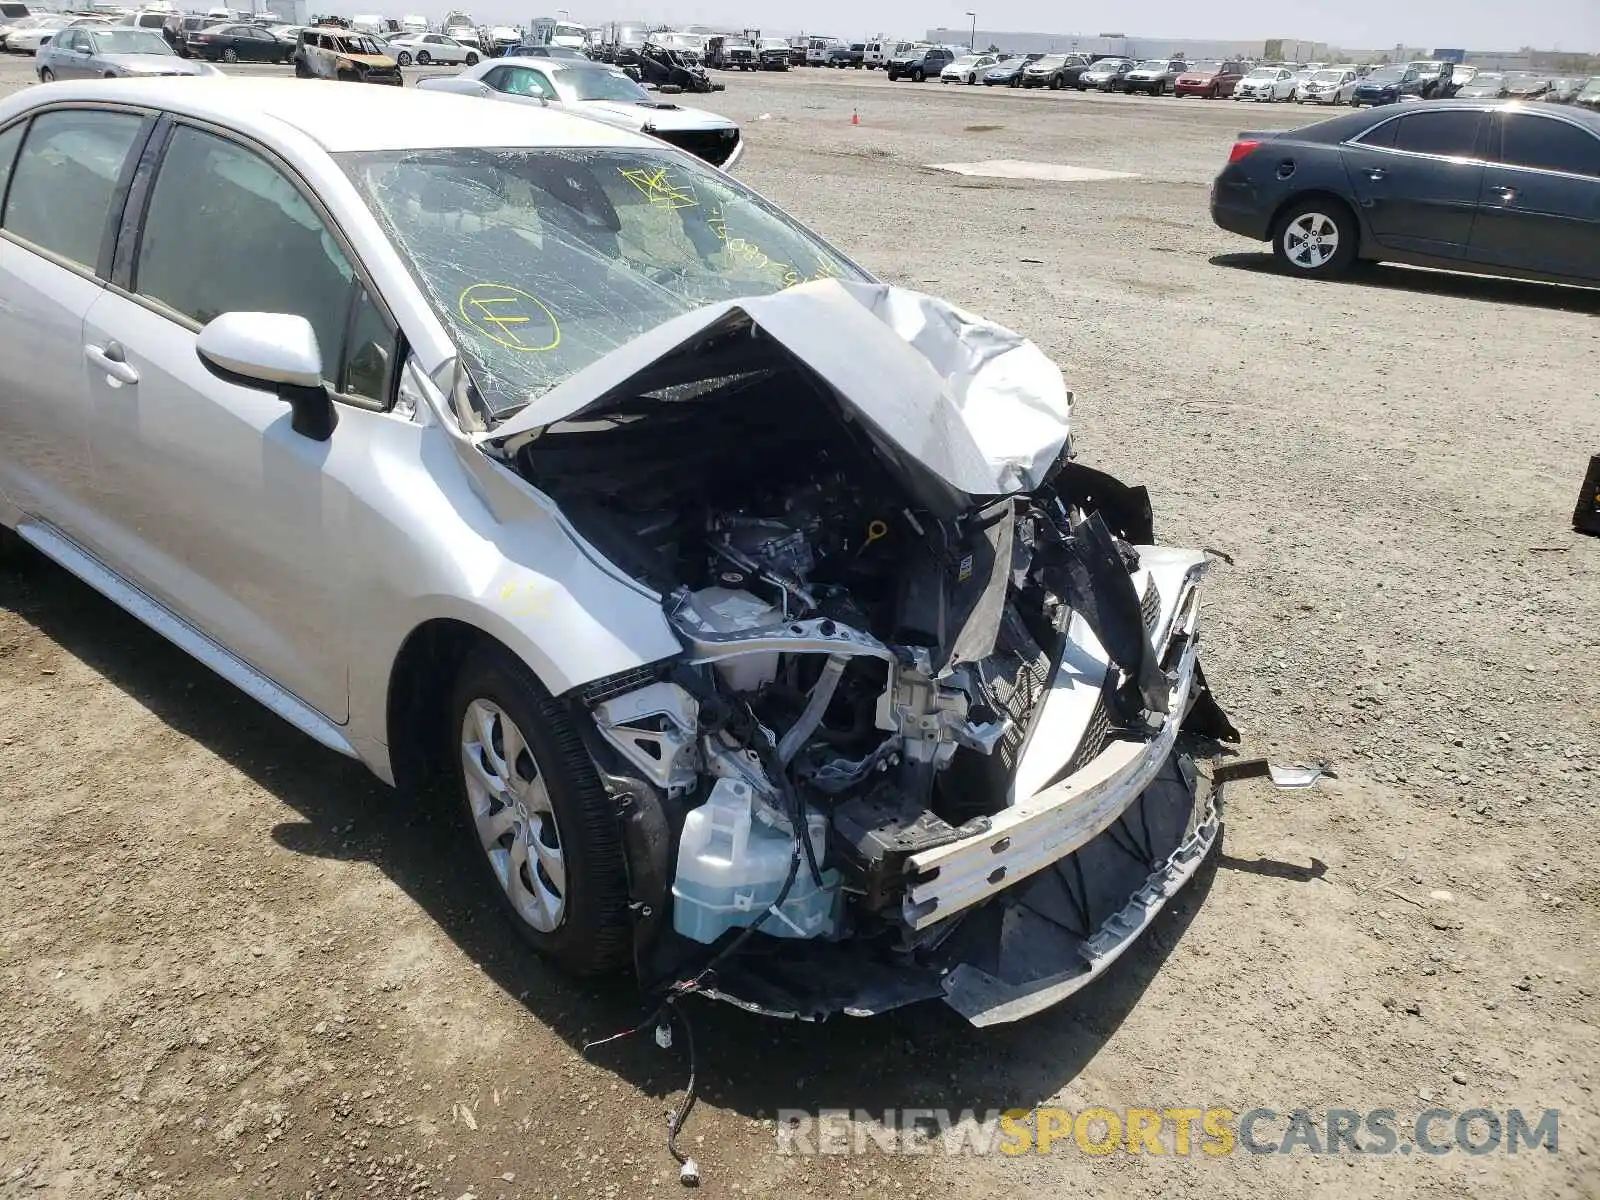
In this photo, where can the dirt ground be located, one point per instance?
(233, 964)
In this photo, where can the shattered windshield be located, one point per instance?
(540, 261)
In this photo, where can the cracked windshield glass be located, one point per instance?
(542, 261)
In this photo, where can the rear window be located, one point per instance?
(13, 10)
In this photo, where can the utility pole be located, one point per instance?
(972, 38)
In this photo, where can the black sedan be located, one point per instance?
(1493, 188)
(238, 43)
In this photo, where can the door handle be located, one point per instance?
(111, 359)
(1377, 174)
(1505, 193)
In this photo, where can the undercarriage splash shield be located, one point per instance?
(1027, 949)
(1037, 944)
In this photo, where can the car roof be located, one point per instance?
(339, 116)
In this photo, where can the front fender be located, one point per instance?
(441, 531)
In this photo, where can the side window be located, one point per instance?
(1451, 133)
(9, 141)
(524, 81)
(366, 370)
(226, 231)
(1380, 136)
(66, 178)
(1547, 144)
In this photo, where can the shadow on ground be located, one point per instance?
(925, 1056)
(1424, 282)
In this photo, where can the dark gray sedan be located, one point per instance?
(109, 53)
(1503, 189)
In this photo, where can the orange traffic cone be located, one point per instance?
(855, 117)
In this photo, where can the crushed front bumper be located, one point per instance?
(1048, 892)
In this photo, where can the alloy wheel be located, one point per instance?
(1311, 240)
(515, 821)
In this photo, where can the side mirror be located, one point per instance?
(272, 352)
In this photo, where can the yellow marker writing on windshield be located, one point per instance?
(510, 317)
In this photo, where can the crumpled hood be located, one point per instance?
(981, 407)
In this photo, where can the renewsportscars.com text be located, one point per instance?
(1178, 1131)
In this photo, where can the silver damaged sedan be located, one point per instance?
(774, 642)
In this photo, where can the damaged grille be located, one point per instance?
(602, 690)
(1150, 605)
(716, 146)
(1014, 681)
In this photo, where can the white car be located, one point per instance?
(969, 68)
(1266, 83)
(1328, 86)
(772, 638)
(28, 41)
(601, 93)
(426, 48)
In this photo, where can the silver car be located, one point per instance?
(92, 53)
(1331, 85)
(775, 642)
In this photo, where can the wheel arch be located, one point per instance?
(417, 698)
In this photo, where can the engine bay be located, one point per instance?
(866, 648)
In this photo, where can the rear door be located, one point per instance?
(1539, 209)
(64, 190)
(1417, 178)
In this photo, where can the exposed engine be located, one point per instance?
(873, 660)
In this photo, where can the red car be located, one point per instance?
(1211, 80)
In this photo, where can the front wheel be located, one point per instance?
(1316, 237)
(1055, 83)
(543, 828)
(423, 58)
(46, 75)
(917, 76)
(230, 55)
(403, 58)
(472, 59)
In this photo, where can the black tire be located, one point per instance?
(594, 933)
(403, 58)
(301, 71)
(46, 75)
(1055, 83)
(424, 58)
(918, 76)
(230, 55)
(1327, 211)
(472, 59)
(893, 77)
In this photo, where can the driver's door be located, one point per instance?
(72, 59)
(212, 503)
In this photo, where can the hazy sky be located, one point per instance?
(1572, 25)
